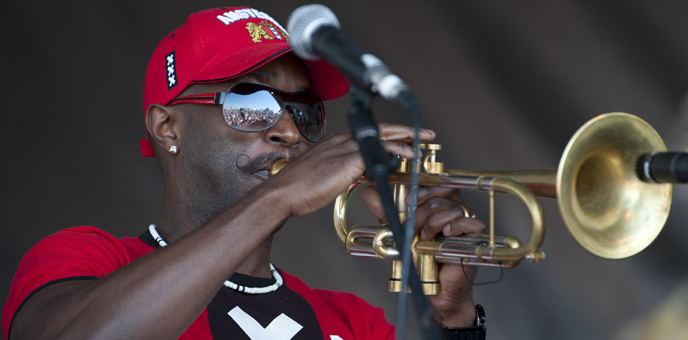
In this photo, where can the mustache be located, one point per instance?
(262, 162)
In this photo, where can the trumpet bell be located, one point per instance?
(607, 209)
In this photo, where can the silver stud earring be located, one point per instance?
(173, 149)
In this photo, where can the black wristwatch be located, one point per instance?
(476, 332)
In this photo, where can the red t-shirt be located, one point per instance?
(89, 253)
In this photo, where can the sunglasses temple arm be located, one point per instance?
(220, 97)
(208, 98)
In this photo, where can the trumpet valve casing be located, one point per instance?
(425, 264)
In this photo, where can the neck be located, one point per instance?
(175, 224)
(258, 263)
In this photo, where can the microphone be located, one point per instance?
(315, 33)
(663, 167)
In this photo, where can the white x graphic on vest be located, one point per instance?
(282, 328)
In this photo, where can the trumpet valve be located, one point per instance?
(430, 164)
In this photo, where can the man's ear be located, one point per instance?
(164, 127)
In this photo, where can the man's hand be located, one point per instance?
(329, 167)
(439, 212)
(319, 175)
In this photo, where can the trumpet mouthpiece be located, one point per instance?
(277, 166)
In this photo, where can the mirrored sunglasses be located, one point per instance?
(256, 107)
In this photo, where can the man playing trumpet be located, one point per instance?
(220, 107)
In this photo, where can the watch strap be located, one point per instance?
(477, 332)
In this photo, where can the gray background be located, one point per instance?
(505, 84)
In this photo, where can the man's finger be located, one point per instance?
(431, 207)
(372, 200)
(450, 222)
(426, 193)
(398, 148)
(403, 133)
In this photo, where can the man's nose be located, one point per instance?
(284, 132)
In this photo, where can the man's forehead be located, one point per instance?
(286, 69)
(258, 76)
(287, 65)
(268, 77)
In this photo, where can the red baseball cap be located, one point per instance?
(220, 44)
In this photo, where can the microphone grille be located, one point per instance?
(303, 22)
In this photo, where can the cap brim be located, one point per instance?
(327, 81)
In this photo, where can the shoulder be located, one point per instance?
(332, 298)
(76, 235)
(347, 302)
(83, 234)
(72, 252)
(80, 243)
(347, 310)
(364, 320)
(79, 253)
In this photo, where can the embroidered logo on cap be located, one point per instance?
(260, 30)
(246, 13)
(170, 64)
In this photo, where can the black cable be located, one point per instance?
(365, 132)
(420, 301)
(408, 102)
(501, 276)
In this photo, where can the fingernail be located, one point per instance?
(446, 229)
(423, 235)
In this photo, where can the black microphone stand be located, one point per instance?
(377, 160)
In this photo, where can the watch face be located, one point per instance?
(480, 319)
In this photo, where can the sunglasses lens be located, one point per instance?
(309, 119)
(251, 112)
(255, 107)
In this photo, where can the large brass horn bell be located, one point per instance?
(607, 209)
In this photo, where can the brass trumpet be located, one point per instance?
(607, 209)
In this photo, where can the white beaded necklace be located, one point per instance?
(229, 284)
